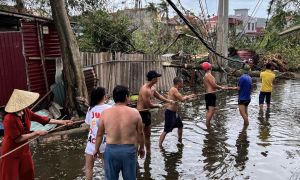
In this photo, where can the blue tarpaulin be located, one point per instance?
(35, 126)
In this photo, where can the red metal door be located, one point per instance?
(12, 65)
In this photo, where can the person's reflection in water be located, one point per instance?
(147, 170)
(242, 145)
(264, 127)
(172, 160)
(215, 150)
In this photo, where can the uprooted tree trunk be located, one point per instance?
(72, 70)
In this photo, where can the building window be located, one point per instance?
(252, 26)
(249, 26)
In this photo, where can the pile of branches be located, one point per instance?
(276, 60)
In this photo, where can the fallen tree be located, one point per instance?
(276, 60)
(229, 71)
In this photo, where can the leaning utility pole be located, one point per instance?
(222, 38)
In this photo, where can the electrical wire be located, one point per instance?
(197, 34)
(268, 18)
(259, 2)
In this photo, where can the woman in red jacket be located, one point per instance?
(19, 164)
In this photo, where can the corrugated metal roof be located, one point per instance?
(50, 68)
(19, 50)
(33, 56)
(12, 65)
(30, 38)
(51, 42)
(25, 16)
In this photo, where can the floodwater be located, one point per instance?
(268, 149)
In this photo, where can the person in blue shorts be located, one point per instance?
(124, 137)
(244, 87)
(172, 119)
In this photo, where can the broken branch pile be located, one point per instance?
(276, 60)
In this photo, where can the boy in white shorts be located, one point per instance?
(97, 106)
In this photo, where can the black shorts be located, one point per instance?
(263, 96)
(146, 117)
(210, 100)
(244, 102)
(172, 120)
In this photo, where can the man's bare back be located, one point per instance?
(121, 125)
(172, 96)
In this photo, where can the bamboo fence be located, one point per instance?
(127, 69)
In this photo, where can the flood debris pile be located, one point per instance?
(276, 60)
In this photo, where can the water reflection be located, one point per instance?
(264, 127)
(227, 151)
(242, 145)
(215, 151)
(172, 160)
(146, 173)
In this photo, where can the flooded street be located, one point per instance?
(268, 149)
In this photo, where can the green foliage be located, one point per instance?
(105, 32)
(289, 45)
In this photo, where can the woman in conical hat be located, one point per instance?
(19, 164)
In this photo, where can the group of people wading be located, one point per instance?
(118, 133)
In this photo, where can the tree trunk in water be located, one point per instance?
(74, 81)
(20, 6)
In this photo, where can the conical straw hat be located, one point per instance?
(20, 99)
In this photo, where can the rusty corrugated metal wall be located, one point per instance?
(51, 42)
(21, 62)
(12, 65)
(33, 55)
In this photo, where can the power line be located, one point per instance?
(205, 22)
(269, 12)
(116, 38)
(259, 2)
(197, 34)
(204, 25)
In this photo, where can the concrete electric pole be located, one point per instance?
(222, 38)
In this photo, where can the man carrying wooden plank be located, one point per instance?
(144, 104)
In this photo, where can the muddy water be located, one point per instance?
(268, 149)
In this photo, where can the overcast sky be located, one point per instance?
(212, 5)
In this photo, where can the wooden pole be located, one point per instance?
(31, 140)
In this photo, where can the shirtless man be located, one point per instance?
(210, 87)
(172, 119)
(124, 135)
(144, 104)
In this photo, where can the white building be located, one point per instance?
(249, 23)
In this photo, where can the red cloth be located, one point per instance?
(19, 163)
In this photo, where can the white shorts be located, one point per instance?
(90, 148)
